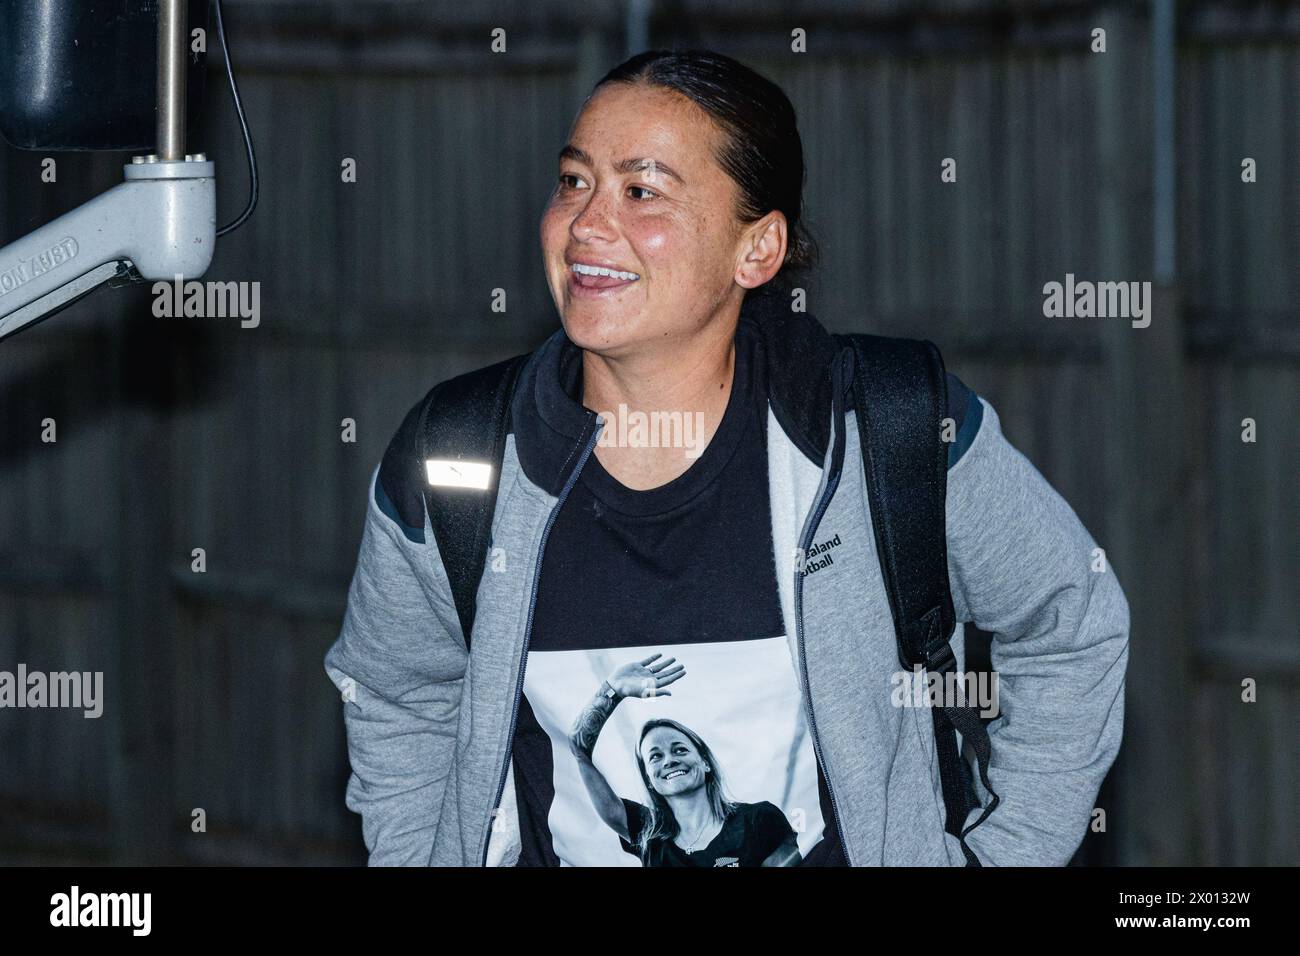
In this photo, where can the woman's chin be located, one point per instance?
(596, 333)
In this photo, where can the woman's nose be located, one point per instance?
(595, 219)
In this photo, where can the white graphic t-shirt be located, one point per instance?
(662, 720)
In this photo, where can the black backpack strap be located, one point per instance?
(900, 396)
(467, 419)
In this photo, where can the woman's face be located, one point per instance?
(672, 763)
(640, 192)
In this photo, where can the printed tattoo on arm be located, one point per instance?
(587, 727)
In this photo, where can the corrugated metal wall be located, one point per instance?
(187, 433)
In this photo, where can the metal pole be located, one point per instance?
(1164, 158)
(171, 80)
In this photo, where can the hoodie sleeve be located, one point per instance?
(399, 663)
(1024, 568)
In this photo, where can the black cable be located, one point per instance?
(243, 123)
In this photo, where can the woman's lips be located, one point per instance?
(585, 286)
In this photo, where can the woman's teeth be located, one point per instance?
(586, 270)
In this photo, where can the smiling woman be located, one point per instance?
(683, 176)
(679, 191)
(674, 227)
(690, 819)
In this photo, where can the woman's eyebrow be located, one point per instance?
(623, 165)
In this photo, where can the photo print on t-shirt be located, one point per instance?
(729, 733)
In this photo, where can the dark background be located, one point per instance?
(175, 434)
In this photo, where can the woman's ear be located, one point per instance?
(764, 246)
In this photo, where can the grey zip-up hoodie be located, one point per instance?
(430, 725)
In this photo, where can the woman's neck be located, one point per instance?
(693, 813)
(692, 380)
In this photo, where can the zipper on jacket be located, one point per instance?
(528, 632)
(810, 531)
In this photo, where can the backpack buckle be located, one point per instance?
(936, 647)
(941, 659)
